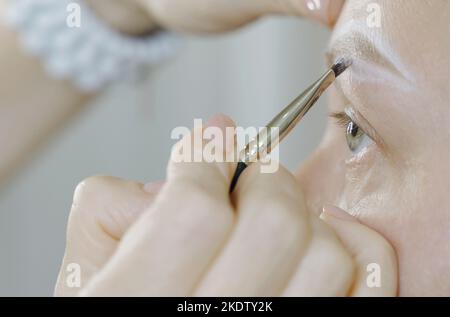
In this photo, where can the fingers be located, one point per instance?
(213, 178)
(374, 257)
(326, 269)
(202, 16)
(169, 248)
(323, 11)
(207, 16)
(103, 209)
(270, 234)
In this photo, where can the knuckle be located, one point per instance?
(281, 182)
(108, 204)
(90, 193)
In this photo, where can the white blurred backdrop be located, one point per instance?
(249, 75)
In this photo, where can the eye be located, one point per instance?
(357, 139)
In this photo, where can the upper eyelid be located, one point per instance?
(356, 117)
(343, 118)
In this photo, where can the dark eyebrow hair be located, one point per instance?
(355, 45)
(351, 45)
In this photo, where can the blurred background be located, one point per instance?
(249, 75)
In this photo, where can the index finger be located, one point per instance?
(170, 247)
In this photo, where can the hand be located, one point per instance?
(200, 16)
(102, 211)
(206, 16)
(192, 240)
(128, 16)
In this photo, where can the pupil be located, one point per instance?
(352, 129)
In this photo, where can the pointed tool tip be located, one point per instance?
(340, 66)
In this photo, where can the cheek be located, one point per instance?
(322, 174)
(407, 203)
(407, 207)
(366, 181)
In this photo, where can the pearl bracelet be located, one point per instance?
(74, 44)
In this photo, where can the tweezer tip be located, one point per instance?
(340, 66)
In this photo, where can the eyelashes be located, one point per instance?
(341, 118)
(357, 139)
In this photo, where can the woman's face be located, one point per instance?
(393, 108)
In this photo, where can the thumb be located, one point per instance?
(375, 259)
(103, 208)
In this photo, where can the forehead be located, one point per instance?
(415, 31)
(401, 54)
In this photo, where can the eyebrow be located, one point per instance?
(356, 45)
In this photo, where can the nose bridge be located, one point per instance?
(321, 177)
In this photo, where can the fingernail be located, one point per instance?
(220, 121)
(336, 212)
(153, 187)
(223, 122)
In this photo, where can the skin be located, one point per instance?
(205, 16)
(395, 185)
(399, 184)
(268, 240)
(397, 91)
(262, 242)
(25, 89)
